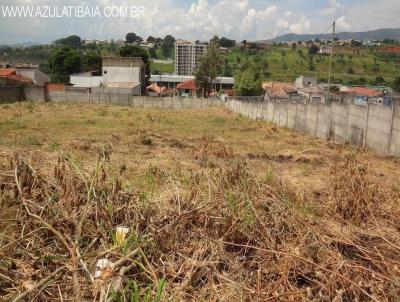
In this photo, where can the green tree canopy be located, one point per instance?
(133, 38)
(73, 41)
(134, 51)
(151, 39)
(225, 42)
(396, 84)
(208, 69)
(167, 45)
(248, 83)
(63, 62)
(91, 61)
(314, 49)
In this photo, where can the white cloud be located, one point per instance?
(288, 14)
(301, 27)
(201, 19)
(342, 23)
(282, 23)
(333, 9)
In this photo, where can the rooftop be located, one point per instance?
(7, 71)
(187, 85)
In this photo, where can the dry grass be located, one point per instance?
(222, 208)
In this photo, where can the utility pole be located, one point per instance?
(330, 60)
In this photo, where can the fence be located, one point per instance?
(126, 99)
(373, 126)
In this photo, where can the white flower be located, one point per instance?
(120, 235)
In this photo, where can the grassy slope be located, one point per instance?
(362, 64)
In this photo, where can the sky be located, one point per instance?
(199, 19)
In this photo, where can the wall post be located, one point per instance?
(391, 126)
(287, 114)
(346, 129)
(316, 122)
(366, 126)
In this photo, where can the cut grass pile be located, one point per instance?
(189, 206)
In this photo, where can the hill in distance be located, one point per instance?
(378, 34)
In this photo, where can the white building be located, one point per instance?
(117, 73)
(305, 82)
(325, 49)
(187, 55)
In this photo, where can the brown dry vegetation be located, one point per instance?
(221, 207)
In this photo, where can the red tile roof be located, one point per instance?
(278, 89)
(188, 85)
(154, 87)
(363, 91)
(7, 71)
(19, 79)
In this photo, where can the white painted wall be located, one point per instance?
(121, 75)
(85, 81)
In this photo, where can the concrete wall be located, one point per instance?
(126, 99)
(10, 94)
(34, 94)
(86, 81)
(373, 126)
(121, 75)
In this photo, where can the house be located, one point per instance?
(38, 77)
(9, 77)
(224, 49)
(146, 45)
(325, 49)
(361, 95)
(125, 72)
(128, 73)
(278, 89)
(187, 88)
(155, 90)
(313, 94)
(305, 82)
(87, 79)
(172, 80)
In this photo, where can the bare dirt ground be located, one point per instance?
(217, 208)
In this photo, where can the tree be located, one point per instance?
(215, 40)
(362, 81)
(207, 70)
(91, 61)
(134, 51)
(225, 42)
(248, 83)
(167, 45)
(311, 65)
(314, 49)
(63, 62)
(151, 39)
(152, 53)
(396, 84)
(73, 41)
(133, 38)
(227, 70)
(380, 81)
(294, 46)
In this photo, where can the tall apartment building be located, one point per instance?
(187, 55)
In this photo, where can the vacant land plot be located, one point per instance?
(215, 207)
